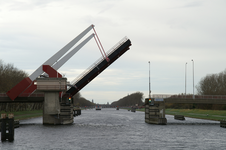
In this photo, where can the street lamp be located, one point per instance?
(149, 82)
(185, 77)
(193, 77)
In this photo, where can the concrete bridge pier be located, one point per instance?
(51, 108)
(54, 111)
(155, 111)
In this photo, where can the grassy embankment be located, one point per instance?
(197, 113)
(25, 114)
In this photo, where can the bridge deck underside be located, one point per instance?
(22, 100)
(195, 101)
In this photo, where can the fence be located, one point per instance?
(189, 96)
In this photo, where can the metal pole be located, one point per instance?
(193, 77)
(149, 82)
(185, 77)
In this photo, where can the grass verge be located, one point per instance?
(199, 113)
(21, 115)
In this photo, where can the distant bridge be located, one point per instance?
(188, 99)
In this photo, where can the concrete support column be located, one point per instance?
(51, 87)
(51, 108)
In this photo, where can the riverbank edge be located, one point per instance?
(216, 115)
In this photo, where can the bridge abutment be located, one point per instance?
(155, 112)
(54, 111)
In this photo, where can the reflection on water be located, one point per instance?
(111, 129)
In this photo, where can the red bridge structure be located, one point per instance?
(57, 108)
(23, 91)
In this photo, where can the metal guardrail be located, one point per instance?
(189, 96)
(84, 73)
(115, 47)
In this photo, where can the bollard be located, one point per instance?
(7, 127)
(3, 127)
(179, 117)
(76, 112)
(11, 127)
(79, 112)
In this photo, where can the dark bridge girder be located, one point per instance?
(99, 68)
(22, 100)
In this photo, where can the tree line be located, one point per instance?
(130, 100)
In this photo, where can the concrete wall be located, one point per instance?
(51, 84)
(51, 103)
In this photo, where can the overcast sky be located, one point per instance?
(168, 33)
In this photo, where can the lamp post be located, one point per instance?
(149, 92)
(185, 77)
(193, 77)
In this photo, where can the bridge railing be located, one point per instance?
(116, 46)
(189, 96)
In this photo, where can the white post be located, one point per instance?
(149, 82)
(193, 78)
(185, 77)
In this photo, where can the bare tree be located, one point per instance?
(10, 76)
(214, 84)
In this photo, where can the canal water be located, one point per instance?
(111, 129)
